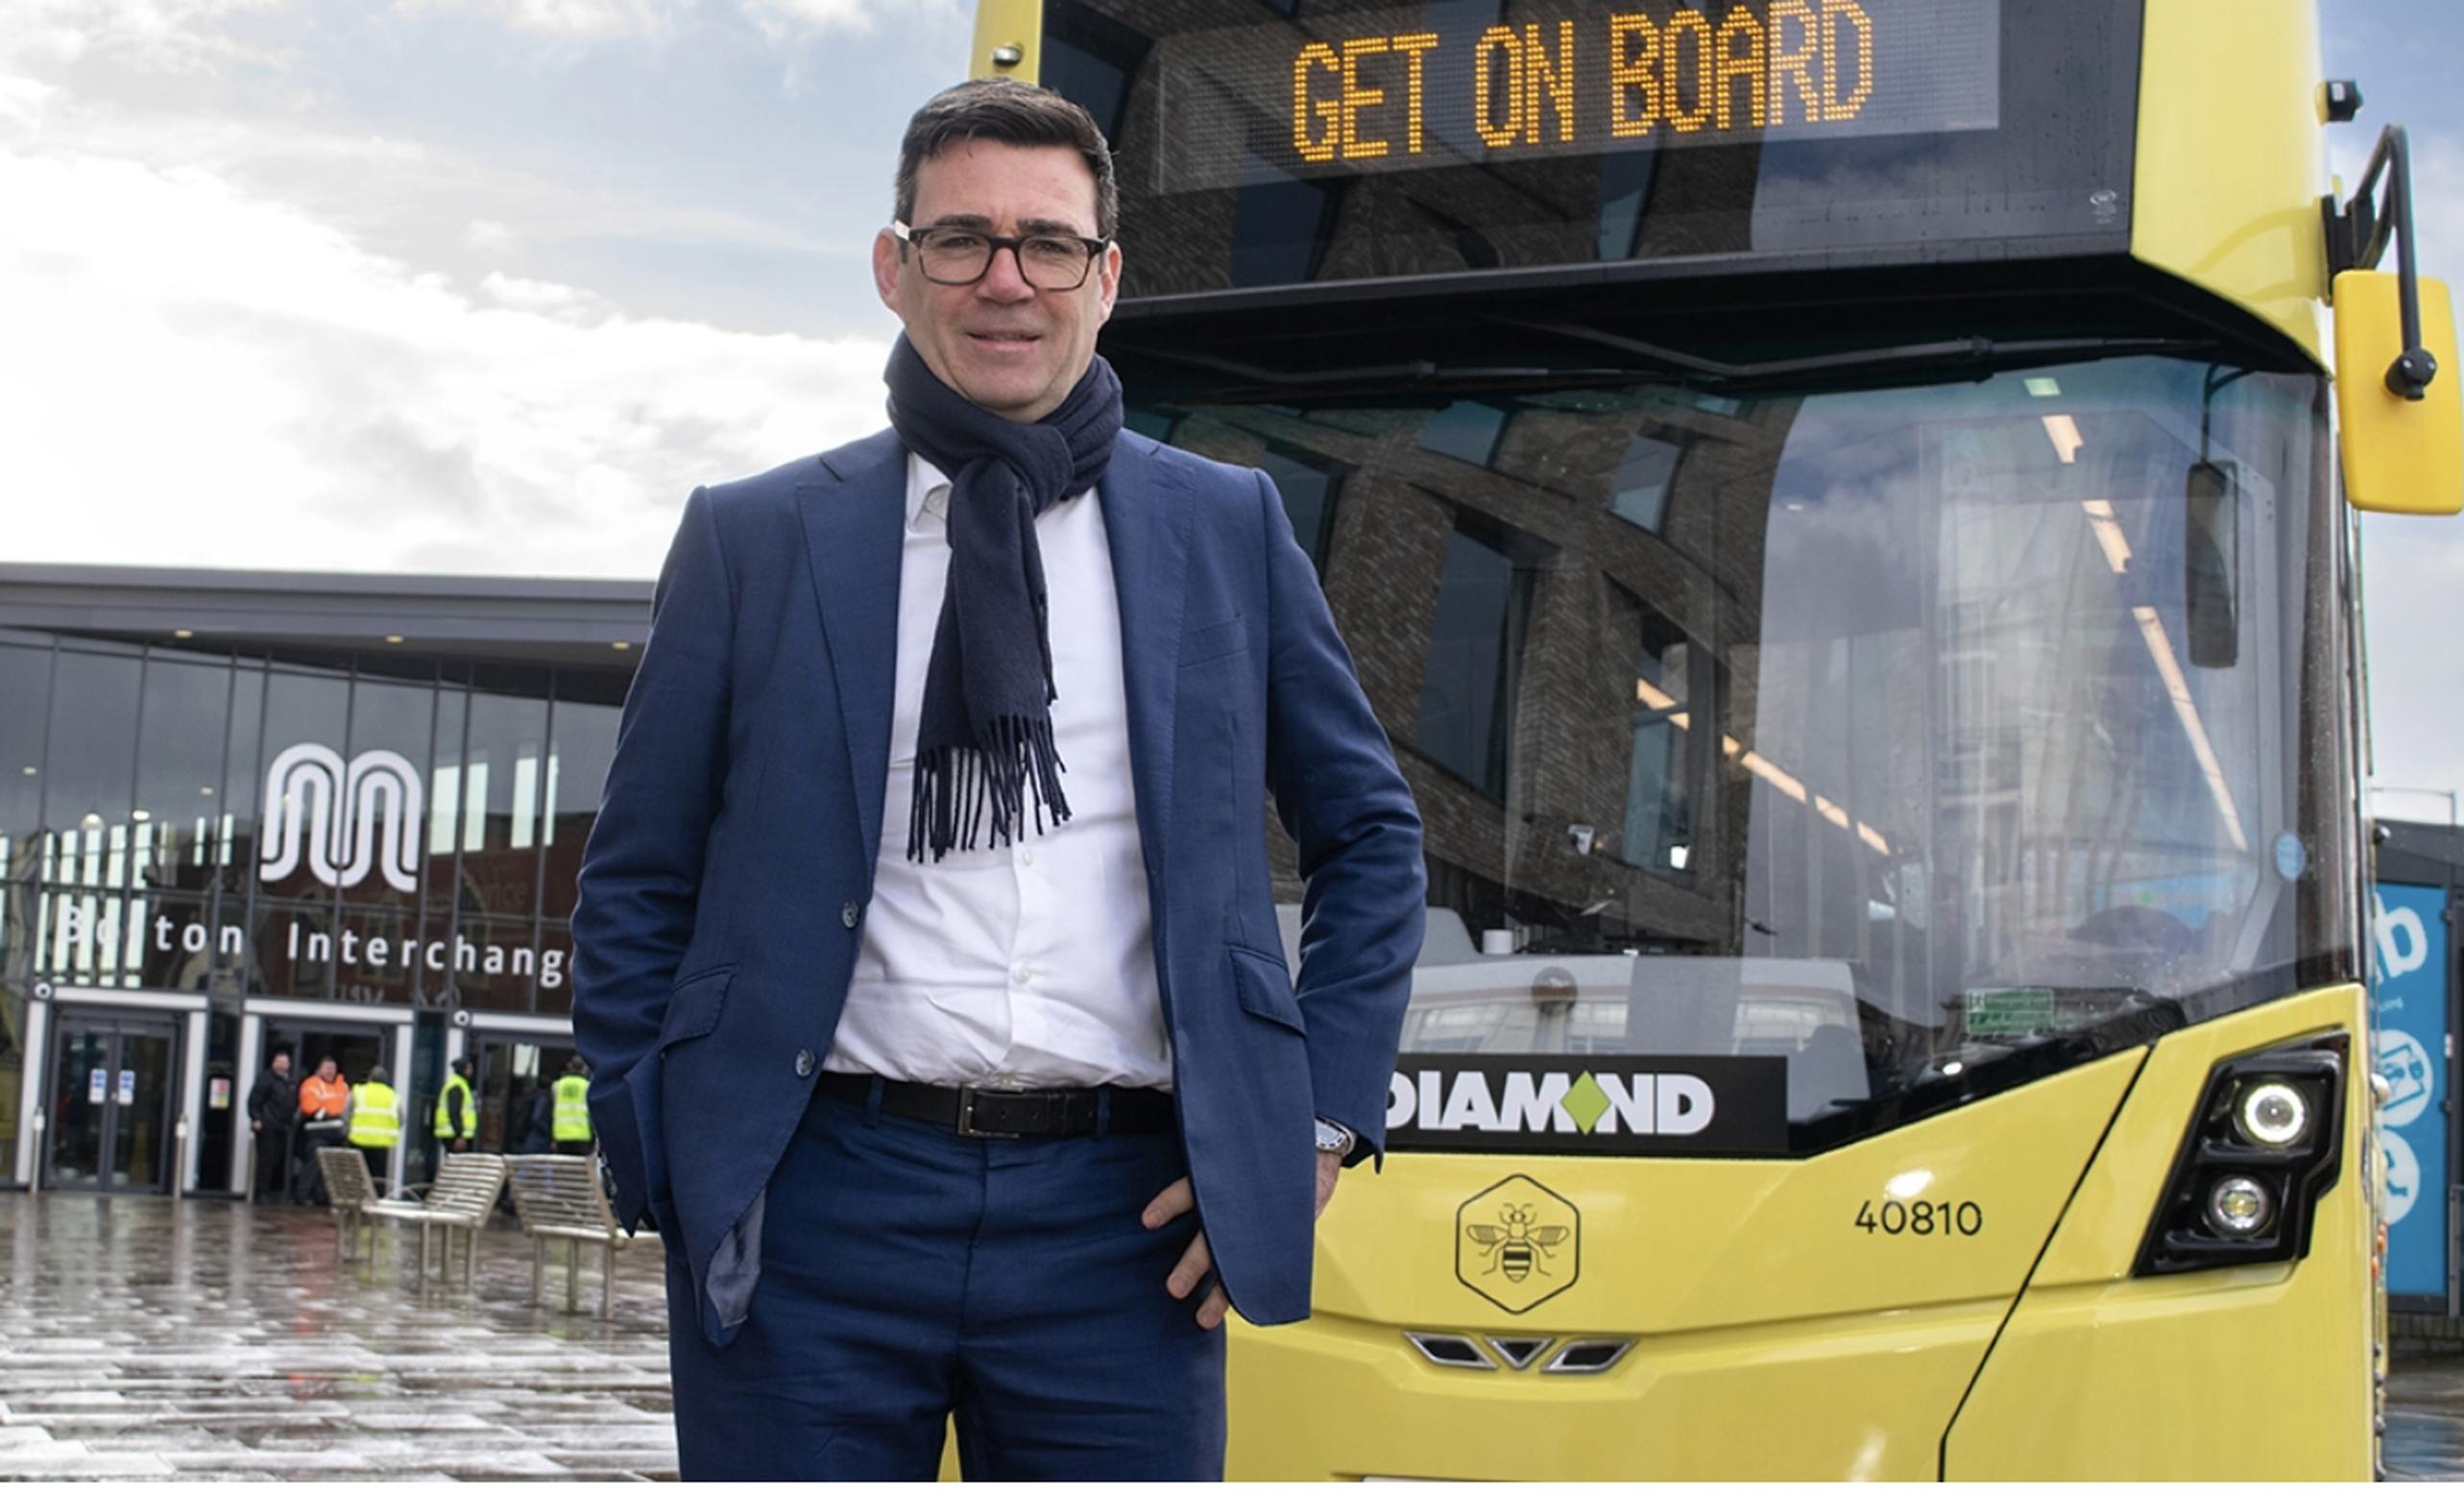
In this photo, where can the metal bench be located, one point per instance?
(350, 1192)
(461, 1197)
(464, 1192)
(558, 1197)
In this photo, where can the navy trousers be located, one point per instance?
(909, 1273)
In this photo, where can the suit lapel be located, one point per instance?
(1146, 522)
(854, 531)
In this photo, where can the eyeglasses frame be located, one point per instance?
(907, 234)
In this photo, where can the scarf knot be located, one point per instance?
(984, 754)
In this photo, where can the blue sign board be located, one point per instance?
(2408, 992)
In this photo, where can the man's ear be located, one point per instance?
(885, 267)
(1107, 283)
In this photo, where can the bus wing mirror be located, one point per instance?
(2211, 565)
(2401, 456)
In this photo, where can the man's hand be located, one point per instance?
(1178, 1200)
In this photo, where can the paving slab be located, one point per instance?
(207, 1339)
(73, 1460)
(2426, 1419)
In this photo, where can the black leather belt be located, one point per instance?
(987, 1112)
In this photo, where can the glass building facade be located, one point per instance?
(333, 816)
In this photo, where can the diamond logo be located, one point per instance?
(1586, 1102)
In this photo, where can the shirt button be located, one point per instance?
(849, 914)
(1021, 973)
(1026, 855)
(804, 1064)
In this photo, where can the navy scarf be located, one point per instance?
(983, 746)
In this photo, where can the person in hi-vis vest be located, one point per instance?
(375, 1125)
(457, 1115)
(572, 1117)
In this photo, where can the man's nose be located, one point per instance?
(1004, 279)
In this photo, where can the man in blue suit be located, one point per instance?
(927, 960)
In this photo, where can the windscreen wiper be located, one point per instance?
(1982, 355)
(1259, 382)
(1963, 358)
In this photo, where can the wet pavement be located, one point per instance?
(207, 1339)
(213, 1340)
(2426, 1419)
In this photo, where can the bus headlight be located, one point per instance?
(2273, 1114)
(2264, 1143)
(2239, 1207)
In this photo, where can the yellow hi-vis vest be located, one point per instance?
(445, 1110)
(375, 1120)
(573, 1122)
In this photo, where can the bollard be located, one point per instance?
(180, 1159)
(35, 1180)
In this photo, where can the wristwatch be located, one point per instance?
(1334, 1136)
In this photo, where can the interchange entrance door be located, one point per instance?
(110, 1102)
(515, 1075)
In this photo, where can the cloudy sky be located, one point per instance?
(488, 285)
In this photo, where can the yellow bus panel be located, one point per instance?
(2231, 165)
(1774, 1333)
(2260, 1372)
(1001, 24)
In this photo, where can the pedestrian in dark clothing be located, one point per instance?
(273, 1110)
(539, 1135)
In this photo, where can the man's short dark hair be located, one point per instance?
(1013, 113)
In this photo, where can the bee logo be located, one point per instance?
(1518, 1243)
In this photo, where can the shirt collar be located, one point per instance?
(927, 487)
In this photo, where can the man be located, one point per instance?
(324, 1098)
(374, 1123)
(927, 957)
(571, 1122)
(273, 1110)
(457, 1119)
(539, 1120)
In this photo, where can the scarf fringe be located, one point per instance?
(964, 794)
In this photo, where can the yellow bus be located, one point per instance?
(1844, 510)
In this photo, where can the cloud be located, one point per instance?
(572, 20)
(659, 20)
(165, 36)
(463, 213)
(225, 380)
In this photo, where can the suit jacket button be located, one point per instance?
(804, 1064)
(849, 914)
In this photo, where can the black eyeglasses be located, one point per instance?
(963, 257)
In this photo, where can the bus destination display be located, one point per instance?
(1423, 86)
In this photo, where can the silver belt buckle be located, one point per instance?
(967, 1127)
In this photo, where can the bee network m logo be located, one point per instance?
(343, 819)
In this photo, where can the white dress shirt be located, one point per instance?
(1031, 964)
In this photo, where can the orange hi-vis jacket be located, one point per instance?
(323, 1100)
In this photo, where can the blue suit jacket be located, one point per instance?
(724, 889)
